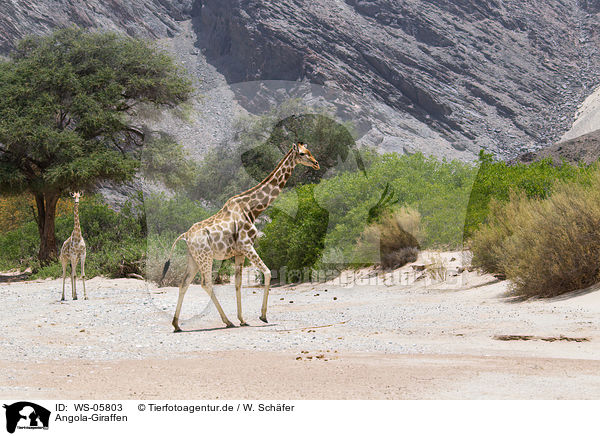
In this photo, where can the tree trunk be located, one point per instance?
(46, 212)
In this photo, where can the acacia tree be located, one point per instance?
(68, 114)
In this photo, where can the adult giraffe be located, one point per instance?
(231, 233)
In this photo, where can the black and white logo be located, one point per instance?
(26, 415)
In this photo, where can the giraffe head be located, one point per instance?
(303, 156)
(76, 196)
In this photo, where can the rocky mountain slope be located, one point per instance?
(148, 19)
(447, 76)
(587, 117)
(584, 148)
(581, 143)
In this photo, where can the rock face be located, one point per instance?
(448, 76)
(151, 19)
(505, 75)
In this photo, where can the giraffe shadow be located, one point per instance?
(212, 329)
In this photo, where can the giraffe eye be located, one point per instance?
(302, 153)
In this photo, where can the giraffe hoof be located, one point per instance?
(263, 319)
(244, 324)
(229, 325)
(74, 298)
(177, 330)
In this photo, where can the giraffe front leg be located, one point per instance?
(73, 278)
(83, 275)
(251, 254)
(64, 267)
(239, 263)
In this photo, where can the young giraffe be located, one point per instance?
(72, 250)
(231, 233)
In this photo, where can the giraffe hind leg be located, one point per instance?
(188, 277)
(206, 271)
(239, 263)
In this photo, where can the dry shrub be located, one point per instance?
(486, 243)
(545, 247)
(437, 268)
(394, 236)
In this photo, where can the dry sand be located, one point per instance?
(367, 338)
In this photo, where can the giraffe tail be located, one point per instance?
(168, 262)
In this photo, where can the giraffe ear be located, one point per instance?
(295, 146)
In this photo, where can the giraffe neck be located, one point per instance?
(76, 227)
(263, 194)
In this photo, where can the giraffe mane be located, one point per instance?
(264, 181)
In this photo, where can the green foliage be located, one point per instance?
(496, 179)
(450, 197)
(67, 102)
(328, 140)
(438, 190)
(294, 242)
(546, 247)
(18, 247)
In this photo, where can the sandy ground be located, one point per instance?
(359, 337)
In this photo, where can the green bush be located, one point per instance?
(545, 247)
(291, 244)
(438, 190)
(497, 179)
(18, 247)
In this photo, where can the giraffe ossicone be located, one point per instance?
(72, 251)
(231, 233)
